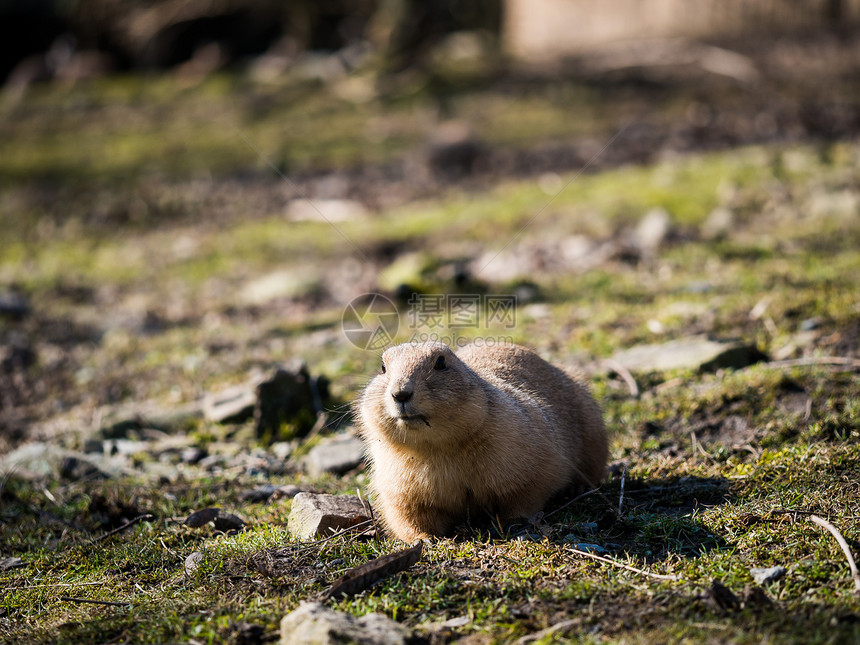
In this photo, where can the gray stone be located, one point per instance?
(281, 450)
(233, 404)
(323, 210)
(126, 421)
(284, 283)
(694, 352)
(40, 460)
(767, 574)
(315, 624)
(13, 305)
(652, 230)
(290, 394)
(719, 224)
(338, 454)
(11, 563)
(315, 514)
(587, 547)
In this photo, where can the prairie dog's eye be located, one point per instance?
(440, 363)
(382, 369)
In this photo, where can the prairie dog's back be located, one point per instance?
(563, 397)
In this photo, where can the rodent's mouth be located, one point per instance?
(405, 418)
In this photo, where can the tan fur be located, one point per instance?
(494, 433)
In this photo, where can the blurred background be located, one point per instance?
(196, 197)
(192, 192)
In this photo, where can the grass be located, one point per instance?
(151, 308)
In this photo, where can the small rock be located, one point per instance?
(811, 323)
(719, 224)
(337, 455)
(281, 449)
(652, 230)
(589, 548)
(289, 394)
(830, 203)
(38, 460)
(192, 455)
(694, 352)
(315, 514)
(233, 405)
(13, 305)
(11, 563)
(315, 623)
(280, 284)
(123, 447)
(767, 574)
(454, 623)
(192, 562)
(325, 210)
(222, 520)
(213, 462)
(124, 421)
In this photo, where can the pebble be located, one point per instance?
(767, 574)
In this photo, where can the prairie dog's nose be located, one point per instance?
(402, 395)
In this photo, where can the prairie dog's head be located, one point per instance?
(423, 394)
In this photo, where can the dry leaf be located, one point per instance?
(202, 517)
(361, 577)
(228, 522)
(192, 562)
(11, 563)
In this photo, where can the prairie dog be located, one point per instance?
(487, 431)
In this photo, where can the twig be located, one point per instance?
(835, 361)
(109, 603)
(658, 576)
(625, 375)
(697, 445)
(549, 631)
(621, 494)
(169, 550)
(790, 511)
(566, 504)
(309, 546)
(815, 519)
(119, 529)
(369, 509)
(319, 424)
(60, 584)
